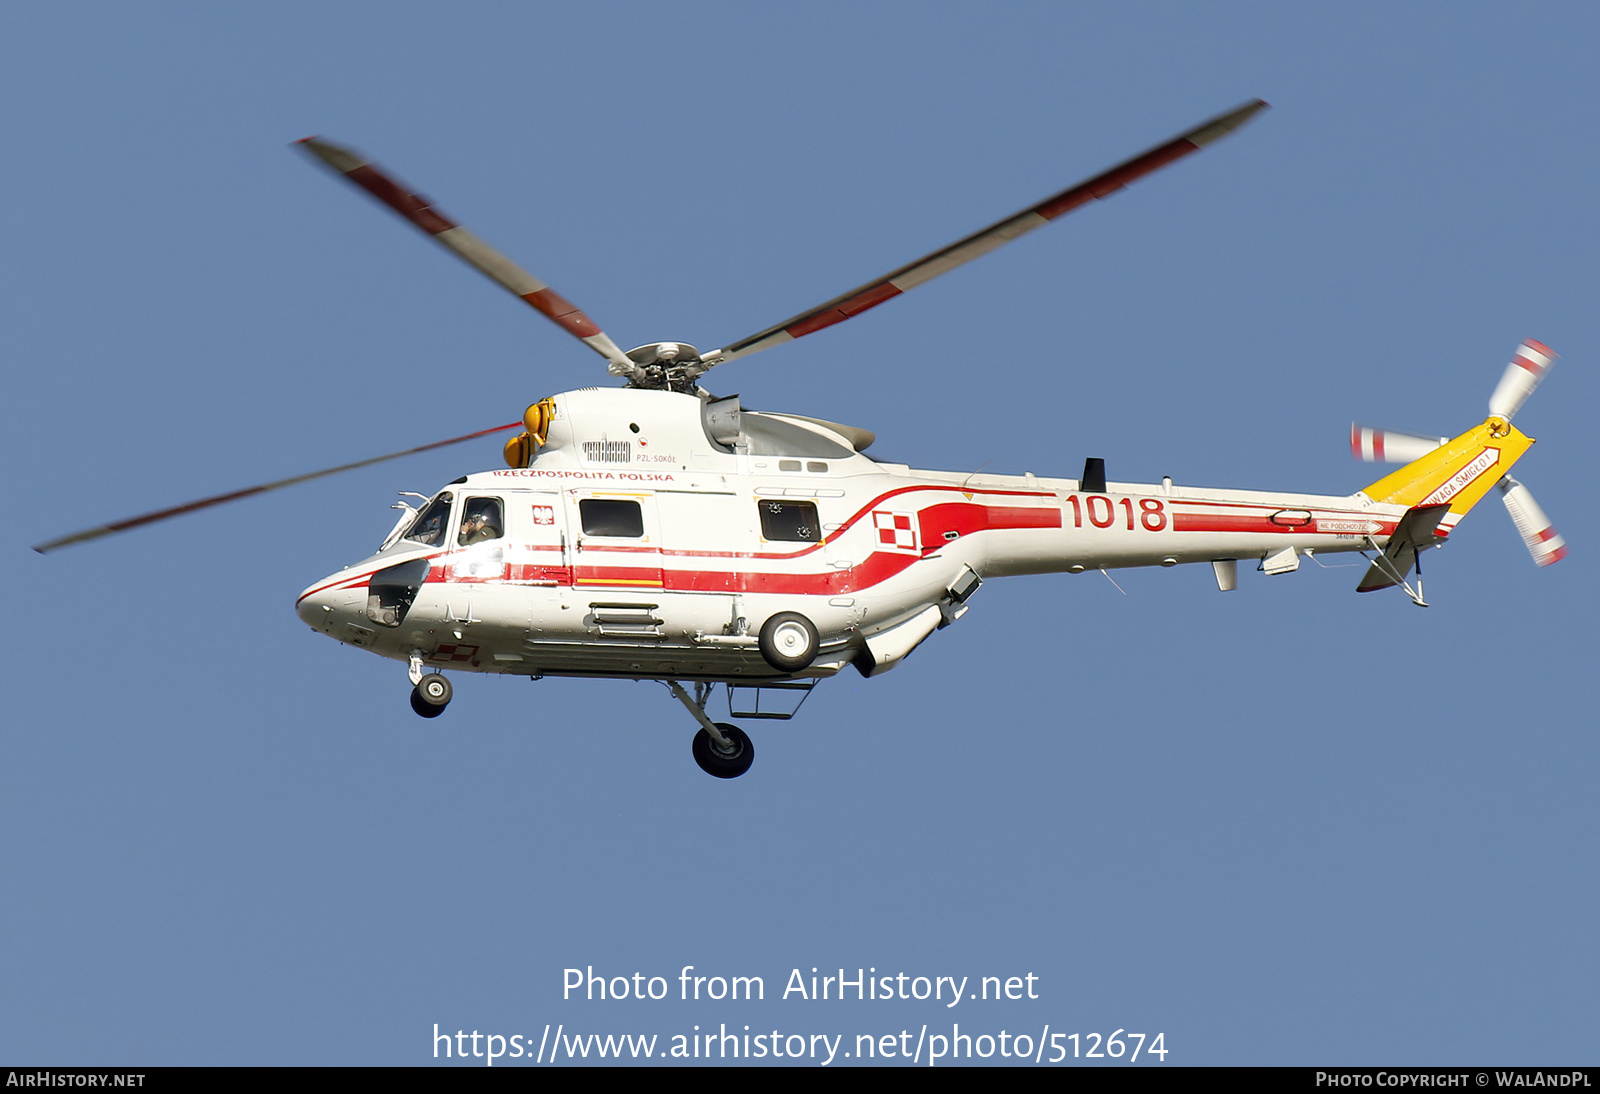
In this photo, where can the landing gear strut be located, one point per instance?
(431, 695)
(722, 750)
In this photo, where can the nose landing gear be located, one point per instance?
(724, 761)
(721, 749)
(431, 695)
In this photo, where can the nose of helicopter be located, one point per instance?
(316, 604)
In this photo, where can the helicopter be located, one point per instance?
(655, 531)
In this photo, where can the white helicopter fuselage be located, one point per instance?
(654, 533)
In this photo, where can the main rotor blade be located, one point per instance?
(470, 249)
(981, 242)
(218, 499)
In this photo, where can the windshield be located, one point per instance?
(429, 527)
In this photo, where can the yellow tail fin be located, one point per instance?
(1460, 472)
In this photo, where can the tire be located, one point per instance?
(431, 695)
(724, 765)
(789, 641)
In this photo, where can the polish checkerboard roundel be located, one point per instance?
(894, 530)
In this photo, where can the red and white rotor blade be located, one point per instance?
(981, 242)
(469, 248)
(1544, 542)
(1527, 368)
(251, 491)
(1387, 446)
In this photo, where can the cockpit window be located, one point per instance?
(480, 521)
(430, 524)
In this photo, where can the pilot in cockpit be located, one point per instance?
(481, 521)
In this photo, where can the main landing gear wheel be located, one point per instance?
(724, 763)
(431, 695)
(788, 641)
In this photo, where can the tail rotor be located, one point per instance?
(1388, 446)
(1527, 368)
(1529, 365)
(1544, 542)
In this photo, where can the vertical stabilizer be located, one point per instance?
(1459, 472)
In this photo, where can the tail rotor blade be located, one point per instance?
(1527, 368)
(1544, 542)
(250, 491)
(1387, 446)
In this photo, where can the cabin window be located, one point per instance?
(789, 521)
(481, 520)
(611, 517)
(817, 466)
(428, 528)
(788, 465)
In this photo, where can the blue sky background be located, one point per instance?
(1288, 825)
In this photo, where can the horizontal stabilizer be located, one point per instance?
(1414, 533)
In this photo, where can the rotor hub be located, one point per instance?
(666, 366)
